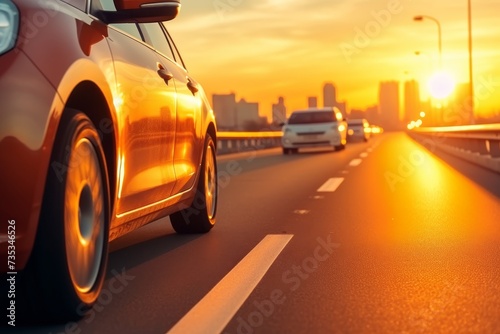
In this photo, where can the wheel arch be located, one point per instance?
(87, 98)
(212, 131)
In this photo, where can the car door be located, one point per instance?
(188, 137)
(146, 108)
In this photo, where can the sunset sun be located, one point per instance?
(441, 85)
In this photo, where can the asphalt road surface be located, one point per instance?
(386, 236)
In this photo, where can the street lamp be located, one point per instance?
(471, 82)
(421, 18)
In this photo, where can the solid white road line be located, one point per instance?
(331, 185)
(218, 307)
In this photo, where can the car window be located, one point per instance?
(155, 36)
(129, 28)
(176, 52)
(80, 4)
(357, 122)
(312, 117)
(104, 4)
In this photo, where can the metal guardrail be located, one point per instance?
(231, 142)
(479, 144)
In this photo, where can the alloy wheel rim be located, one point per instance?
(210, 182)
(84, 216)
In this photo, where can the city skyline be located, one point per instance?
(232, 115)
(269, 48)
(398, 104)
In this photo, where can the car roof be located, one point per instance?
(326, 109)
(357, 121)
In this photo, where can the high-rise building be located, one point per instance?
(389, 105)
(342, 107)
(372, 114)
(279, 111)
(329, 95)
(412, 101)
(232, 115)
(330, 98)
(247, 114)
(312, 102)
(224, 106)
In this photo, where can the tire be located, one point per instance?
(200, 216)
(68, 266)
(286, 151)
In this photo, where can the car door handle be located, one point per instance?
(165, 74)
(193, 86)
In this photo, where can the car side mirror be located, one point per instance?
(142, 11)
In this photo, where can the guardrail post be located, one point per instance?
(481, 147)
(470, 145)
(222, 146)
(494, 148)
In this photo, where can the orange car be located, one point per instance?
(102, 130)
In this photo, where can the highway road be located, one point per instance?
(386, 236)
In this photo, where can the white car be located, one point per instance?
(358, 129)
(314, 127)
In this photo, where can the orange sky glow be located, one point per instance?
(263, 49)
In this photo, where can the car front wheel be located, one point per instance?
(68, 265)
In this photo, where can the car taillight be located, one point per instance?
(9, 24)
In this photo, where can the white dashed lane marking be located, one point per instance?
(355, 162)
(331, 185)
(217, 308)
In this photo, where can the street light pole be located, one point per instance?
(421, 18)
(471, 82)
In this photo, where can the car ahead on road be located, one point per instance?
(314, 127)
(102, 130)
(358, 129)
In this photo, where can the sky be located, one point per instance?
(263, 49)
